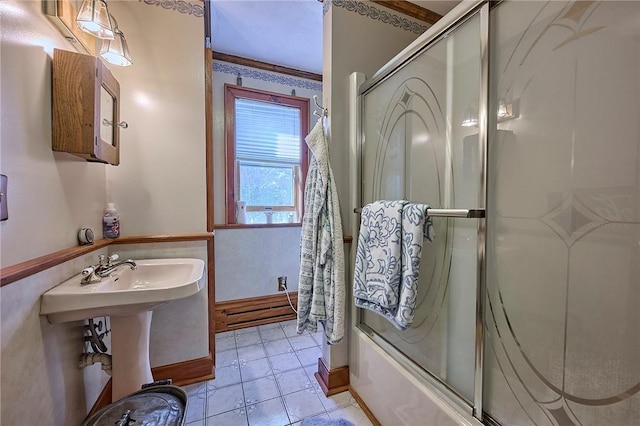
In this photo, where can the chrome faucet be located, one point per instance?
(106, 271)
(104, 268)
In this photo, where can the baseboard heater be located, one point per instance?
(243, 313)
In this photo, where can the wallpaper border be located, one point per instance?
(377, 14)
(236, 70)
(189, 8)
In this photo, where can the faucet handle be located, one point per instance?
(113, 257)
(87, 271)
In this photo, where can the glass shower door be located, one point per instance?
(416, 148)
(563, 280)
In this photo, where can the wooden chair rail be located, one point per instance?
(22, 270)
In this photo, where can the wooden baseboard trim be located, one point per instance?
(186, 372)
(181, 373)
(103, 400)
(332, 381)
(364, 407)
(243, 313)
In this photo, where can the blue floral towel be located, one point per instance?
(388, 259)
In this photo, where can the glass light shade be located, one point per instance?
(116, 51)
(470, 118)
(93, 18)
(502, 109)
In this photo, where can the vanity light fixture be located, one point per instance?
(502, 109)
(93, 18)
(470, 118)
(507, 108)
(116, 51)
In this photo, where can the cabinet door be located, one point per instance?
(108, 117)
(85, 108)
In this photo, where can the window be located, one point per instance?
(267, 158)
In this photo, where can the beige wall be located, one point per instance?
(50, 195)
(159, 188)
(352, 43)
(160, 185)
(40, 380)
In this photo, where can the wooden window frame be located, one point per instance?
(231, 93)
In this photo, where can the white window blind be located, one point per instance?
(267, 132)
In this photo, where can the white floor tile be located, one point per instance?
(302, 341)
(302, 404)
(195, 389)
(309, 356)
(226, 358)
(230, 418)
(195, 407)
(293, 381)
(311, 370)
(285, 362)
(246, 330)
(290, 328)
(260, 390)
(335, 402)
(224, 399)
(353, 413)
(225, 376)
(225, 341)
(274, 333)
(252, 370)
(248, 339)
(250, 353)
(322, 416)
(268, 413)
(276, 347)
(261, 381)
(318, 337)
(269, 326)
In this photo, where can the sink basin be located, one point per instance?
(128, 298)
(154, 283)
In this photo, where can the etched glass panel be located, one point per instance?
(416, 148)
(563, 317)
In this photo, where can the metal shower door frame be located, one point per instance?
(358, 89)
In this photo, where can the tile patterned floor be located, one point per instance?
(264, 377)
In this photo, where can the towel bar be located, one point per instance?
(460, 213)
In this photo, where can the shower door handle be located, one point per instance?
(459, 213)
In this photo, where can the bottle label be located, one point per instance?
(111, 227)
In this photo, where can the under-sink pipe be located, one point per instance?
(90, 358)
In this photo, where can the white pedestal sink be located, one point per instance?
(128, 297)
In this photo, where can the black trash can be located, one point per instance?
(164, 405)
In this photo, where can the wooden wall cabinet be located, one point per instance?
(86, 108)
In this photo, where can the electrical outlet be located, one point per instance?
(282, 283)
(4, 211)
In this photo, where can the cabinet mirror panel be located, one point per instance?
(107, 116)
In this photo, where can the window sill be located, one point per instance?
(257, 225)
